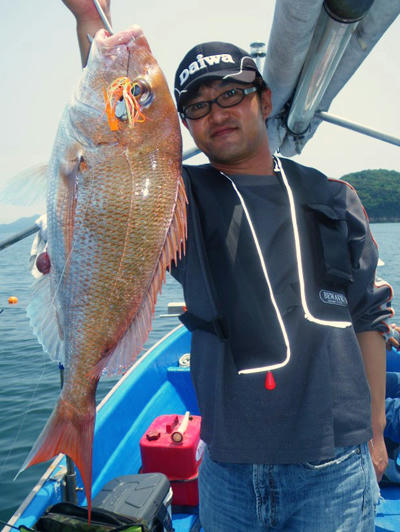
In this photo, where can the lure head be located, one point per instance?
(122, 88)
(125, 101)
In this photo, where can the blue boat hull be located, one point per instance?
(155, 385)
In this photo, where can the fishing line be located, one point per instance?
(26, 411)
(63, 270)
(45, 362)
(269, 286)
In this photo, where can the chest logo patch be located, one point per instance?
(333, 298)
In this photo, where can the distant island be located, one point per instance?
(19, 225)
(379, 191)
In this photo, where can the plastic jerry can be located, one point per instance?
(172, 445)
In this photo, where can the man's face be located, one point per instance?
(230, 135)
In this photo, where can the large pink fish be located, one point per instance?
(116, 219)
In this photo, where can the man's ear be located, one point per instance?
(266, 103)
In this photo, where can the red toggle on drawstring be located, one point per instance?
(270, 381)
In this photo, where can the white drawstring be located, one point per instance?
(307, 313)
(264, 269)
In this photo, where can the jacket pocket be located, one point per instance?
(333, 235)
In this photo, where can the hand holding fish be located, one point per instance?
(88, 21)
(85, 10)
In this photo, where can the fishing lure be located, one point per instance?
(122, 102)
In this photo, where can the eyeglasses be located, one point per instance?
(229, 98)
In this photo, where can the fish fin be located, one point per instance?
(175, 243)
(130, 345)
(28, 187)
(136, 335)
(70, 432)
(180, 219)
(42, 314)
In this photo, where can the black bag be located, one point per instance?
(68, 517)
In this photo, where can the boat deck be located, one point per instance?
(157, 385)
(388, 511)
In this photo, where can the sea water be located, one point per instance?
(29, 382)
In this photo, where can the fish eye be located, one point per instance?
(142, 92)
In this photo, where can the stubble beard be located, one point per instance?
(231, 154)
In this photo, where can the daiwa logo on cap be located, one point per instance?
(333, 298)
(213, 60)
(203, 62)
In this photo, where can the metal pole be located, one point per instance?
(257, 52)
(335, 27)
(34, 229)
(337, 120)
(18, 237)
(103, 17)
(190, 153)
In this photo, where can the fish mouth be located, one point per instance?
(131, 37)
(118, 78)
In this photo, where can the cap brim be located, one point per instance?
(245, 76)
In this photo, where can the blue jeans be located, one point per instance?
(335, 495)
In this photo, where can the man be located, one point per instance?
(286, 319)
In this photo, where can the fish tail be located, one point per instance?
(70, 432)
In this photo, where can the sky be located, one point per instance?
(40, 66)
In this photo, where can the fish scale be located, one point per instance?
(116, 220)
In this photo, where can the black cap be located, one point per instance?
(213, 60)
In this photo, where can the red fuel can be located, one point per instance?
(171, 445)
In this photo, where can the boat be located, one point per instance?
(159, 383)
